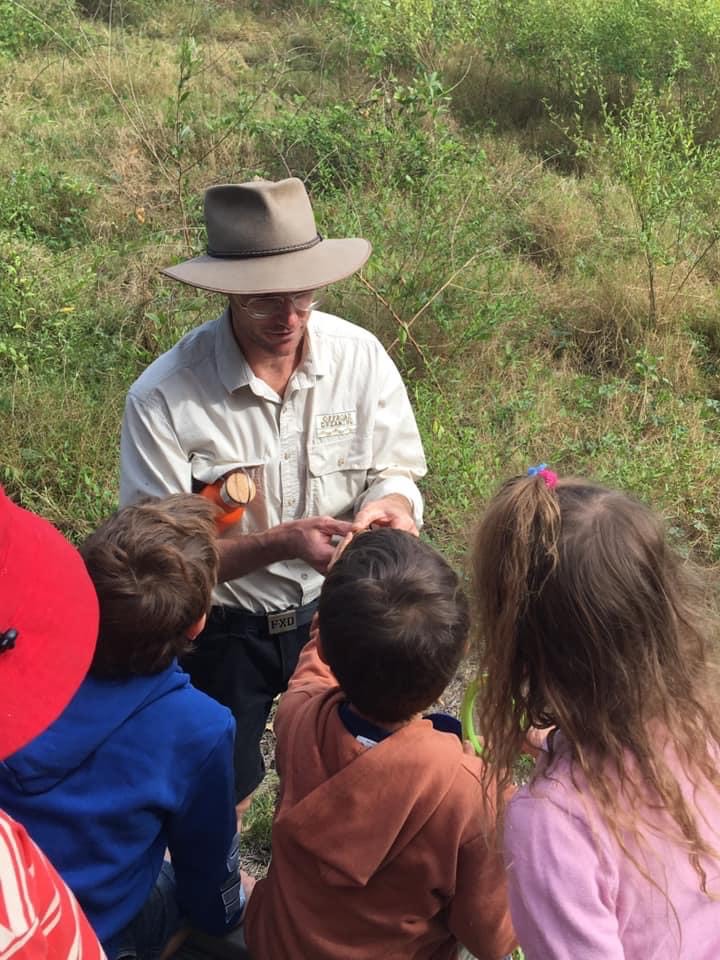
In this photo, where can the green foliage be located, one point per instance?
(673, 183)
(120, 12)
(397, 32)
(514, 296)
(634, 39)
(31, 24)
(257, 822)
(49, 318)
(399, 134)
(38, 204)
(56, 458)
(17, 296)
(529, 61)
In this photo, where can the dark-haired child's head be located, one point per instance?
(393, 624)
(154, 565)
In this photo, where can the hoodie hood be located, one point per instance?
(98, 709)
(354, 809)
(377, 850)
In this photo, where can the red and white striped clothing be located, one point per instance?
(39, 916)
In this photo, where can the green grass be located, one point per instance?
(536, 313)
(257, 827)
(539, 181)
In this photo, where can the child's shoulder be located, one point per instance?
(462, 772)
(198, 709)
(161, 705)
(185, 726)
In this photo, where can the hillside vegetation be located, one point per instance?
(539, 179)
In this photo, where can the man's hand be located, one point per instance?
(311, 540)
(394, 510)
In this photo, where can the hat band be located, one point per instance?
(243, 254)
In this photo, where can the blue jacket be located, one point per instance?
(131, 767)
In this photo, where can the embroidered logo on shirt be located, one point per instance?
(331, 425)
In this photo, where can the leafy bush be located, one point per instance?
(399, 135)
(39, 204)
(527, 57)
(401, 32)
(673, 184)
(32, 24)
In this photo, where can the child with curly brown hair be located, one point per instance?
(593, 628)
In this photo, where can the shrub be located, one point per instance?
(39, 204)
(32, 24)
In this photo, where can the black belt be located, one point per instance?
(281, 621)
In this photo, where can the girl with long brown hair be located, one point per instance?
(591, 627)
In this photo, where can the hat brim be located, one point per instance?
(326, 262)
(52, 604)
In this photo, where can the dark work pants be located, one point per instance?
(238, 662)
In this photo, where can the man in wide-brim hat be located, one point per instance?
(310, 405)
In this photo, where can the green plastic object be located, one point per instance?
(467, 717)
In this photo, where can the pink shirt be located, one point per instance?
(575, 896)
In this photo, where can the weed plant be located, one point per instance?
(540, 308)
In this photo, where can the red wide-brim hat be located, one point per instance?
(48, 624)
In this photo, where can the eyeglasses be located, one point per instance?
(263, 308)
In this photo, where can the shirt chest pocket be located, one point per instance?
(337, 474)
(210, 469)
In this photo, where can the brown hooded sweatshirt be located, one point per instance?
(378, 852)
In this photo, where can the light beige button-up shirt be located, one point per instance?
(342, 435)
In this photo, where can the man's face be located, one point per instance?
(274, 324)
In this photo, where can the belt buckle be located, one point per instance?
(282, 622)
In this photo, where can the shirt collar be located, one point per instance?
(233, 368)
(315, 361)
(235, 372)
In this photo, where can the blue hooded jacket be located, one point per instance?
(131, 767)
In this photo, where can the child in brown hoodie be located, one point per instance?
(383, 845)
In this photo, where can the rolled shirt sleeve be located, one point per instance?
(398, 457)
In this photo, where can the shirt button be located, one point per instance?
(341, 461)
(286, 456)
(303, 576)
(291, 502)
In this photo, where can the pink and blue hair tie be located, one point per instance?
(541, 470)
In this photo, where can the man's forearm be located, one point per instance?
(311, 539)
(247, 552)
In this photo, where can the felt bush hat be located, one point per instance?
(48, 624)
(262, 239)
